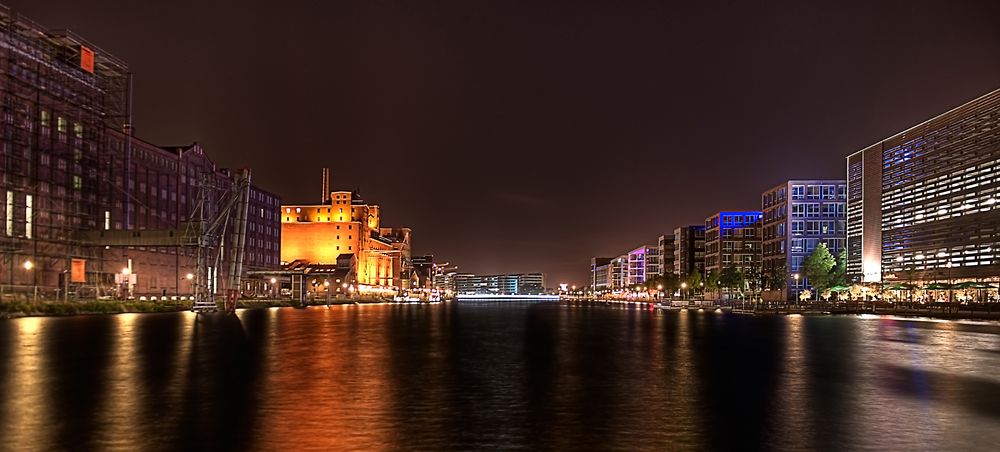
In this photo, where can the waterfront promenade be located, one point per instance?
(972, 311)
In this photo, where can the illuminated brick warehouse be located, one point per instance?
(345, 231)
(73, 173)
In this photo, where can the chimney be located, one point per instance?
(326, 186)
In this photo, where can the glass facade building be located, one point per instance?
(922, 204)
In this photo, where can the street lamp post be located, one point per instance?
(28, 265)
(796, 277)
(326, 284)
(190, 278)
(684, 286)
(126, 279)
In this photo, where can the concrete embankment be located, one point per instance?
(29, 308)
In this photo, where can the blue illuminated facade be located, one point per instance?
(733, 238)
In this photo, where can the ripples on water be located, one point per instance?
(472, 377)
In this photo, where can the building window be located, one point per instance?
(798, 191)
(10, 213)
(107, 220)
(27, 216)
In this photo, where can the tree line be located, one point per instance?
(821, 269)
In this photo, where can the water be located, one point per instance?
(474, 377)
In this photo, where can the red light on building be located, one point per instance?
(87, 59)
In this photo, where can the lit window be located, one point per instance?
(10, 213)
(27, 216)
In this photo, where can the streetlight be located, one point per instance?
(28, 266)
(796, 277)
(684, 286)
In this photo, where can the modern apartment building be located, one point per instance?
(732, 238)
(689, 250)
(600, 273)
(643, 262)
(665, 247)
(619, 272)
(797, 216)
(923, 204)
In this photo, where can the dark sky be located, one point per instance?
(529, 136)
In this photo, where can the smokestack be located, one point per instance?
(326, 185)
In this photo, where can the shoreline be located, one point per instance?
(44, 308)
(927, 313)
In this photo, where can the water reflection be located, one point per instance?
(462, 377)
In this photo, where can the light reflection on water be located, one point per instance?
(463, 377)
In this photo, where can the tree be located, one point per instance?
(754, 278)
(712, 281)
(838, 275)
(817, 268)
(670, 282)
(776, 277)
(694, 280)
(731, 278)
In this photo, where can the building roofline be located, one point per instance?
(993, 95)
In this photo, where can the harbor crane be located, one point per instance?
(206, 230)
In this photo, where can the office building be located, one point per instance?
(797, 216)
(922, 205)
(506, 284)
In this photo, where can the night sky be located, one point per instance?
(529, 136)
